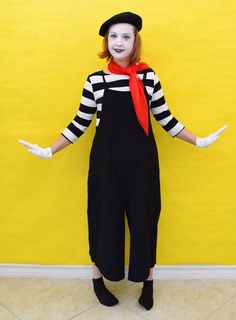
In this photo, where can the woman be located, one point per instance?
(123, 176)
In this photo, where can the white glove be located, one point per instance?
(45, 153)
(207, 141)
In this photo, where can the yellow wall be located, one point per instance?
(47, 50)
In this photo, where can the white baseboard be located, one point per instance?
(161, 272)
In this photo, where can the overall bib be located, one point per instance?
(123, 179)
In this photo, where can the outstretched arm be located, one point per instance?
(74, 130)
(162, 114)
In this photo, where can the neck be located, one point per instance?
(122, 63)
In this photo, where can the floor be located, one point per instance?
(67, 299)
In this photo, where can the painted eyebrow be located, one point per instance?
(126, 33)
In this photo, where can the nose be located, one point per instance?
(119, 41)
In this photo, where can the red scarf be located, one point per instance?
(136, 89)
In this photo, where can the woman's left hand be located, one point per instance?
(211, 138)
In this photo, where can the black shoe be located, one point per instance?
(103, 294)
(146, 298)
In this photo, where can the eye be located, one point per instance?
(113, 36)
(126, 37)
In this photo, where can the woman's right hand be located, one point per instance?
(45, 153)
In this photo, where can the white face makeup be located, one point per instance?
(121, 41)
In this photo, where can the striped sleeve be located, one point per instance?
(161, 112)
(84, 116)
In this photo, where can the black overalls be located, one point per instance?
(123, 179)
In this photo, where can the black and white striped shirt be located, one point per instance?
(92, 96)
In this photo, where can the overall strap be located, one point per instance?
(104, 81)
(103, 76)
(144, 81)
(144, 78)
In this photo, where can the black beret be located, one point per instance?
(124, 17)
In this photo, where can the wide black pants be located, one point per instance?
(123, 180)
